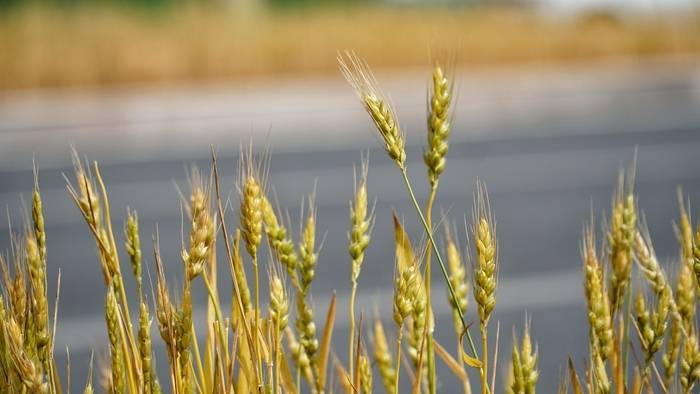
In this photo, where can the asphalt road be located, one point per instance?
(548, 143)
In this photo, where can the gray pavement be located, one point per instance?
(547, 142)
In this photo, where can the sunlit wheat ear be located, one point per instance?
(358, 74)
(299, 356)
(458, 279)
(39, 301)
(365, 371)
(669, 359)
(382, 356)
(308, 255)
(86, 196)
(649, 265)
(279, 301)
(202, 225)
(685, 296)
(25, 368)
(38, 217)
(405, 292)
(16, 288)
(646, 259)
(440, 97)
(690, 364)
(115, 346)
(251, 189)
(133, 246)
(361, 220)
(166, 315)
(684, 229)
(280, 243)
(696, 256)
(150, 380)
(651, 325)
(621, 233)
(599, 317)
(524, 363)
(92, 206)
(483, 231)
(601, 381)
(239, 273)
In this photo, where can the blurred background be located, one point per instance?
(554, 97)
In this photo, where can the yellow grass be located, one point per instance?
(98, 46)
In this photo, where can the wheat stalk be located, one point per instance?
(360, 229)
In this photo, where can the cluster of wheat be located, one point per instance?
(658, 318)
(244, 347)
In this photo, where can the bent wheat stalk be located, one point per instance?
(361, 79)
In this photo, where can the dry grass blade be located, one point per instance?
(454, 365)
(344, 379)
(573, 377)
(326, 341)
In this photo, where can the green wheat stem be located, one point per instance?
(485, 360)
(351, 358)
(626, 335)
(257, 316)
(398, 359)
(428, 230)
(432, 387)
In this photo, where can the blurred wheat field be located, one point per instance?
(99, 45)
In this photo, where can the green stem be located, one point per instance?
(485, 361)
(398, 359)
(351, 358)
(432, 386)
(200, 370)
(429, 231)
(278, 344)
(257, 318)
(626, 334)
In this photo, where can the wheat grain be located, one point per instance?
(382, 356)
(599, 317)
(438, 124)
(652, 325)
(307, 251)
(133, 247)
(458, 275)
(357, 73)
(201, 231)
(669, 360)
(359, 237)
(251, 212)
(365, 371)
(685, 296)
(38, 218)
(39, 301)
(524, 364)
(696, 256)
(282, 247)
(690, 364)
(279, 303)
(483, 232)
(621, 236)
(115, 345)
